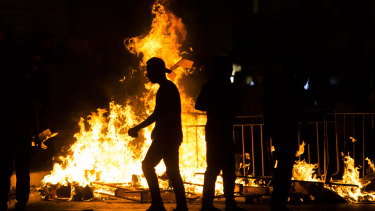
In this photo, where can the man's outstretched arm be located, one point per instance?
(133, 132)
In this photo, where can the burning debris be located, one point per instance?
(355, 191)
(105, 162)
(351, 187)
(103, 153)
(301, 170)
(304, 171)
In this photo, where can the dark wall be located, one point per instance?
(84, 43)
(328, 40)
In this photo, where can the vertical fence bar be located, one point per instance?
(363, 145)
(344, 133)
(317, 146)
(252, 148)
(261, 145)
(233, 134)
(196, 144)
(325, 149)
(337, 149)
(187, 134)
(308, 153)
(243, 150)
(353, 126)
(299, 141)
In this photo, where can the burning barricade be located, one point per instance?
(105, 162)
(104, 159)
(351, 188)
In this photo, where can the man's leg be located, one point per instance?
(22, 172)
(151, 160)
(7, 153)
(171, 160)
(285, 146)
(229, 175)
(5, 183)
(210, 176)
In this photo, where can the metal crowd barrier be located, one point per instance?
(327, 139)
(353, 134)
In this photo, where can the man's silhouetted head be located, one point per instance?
(223, 67)
(156, 70)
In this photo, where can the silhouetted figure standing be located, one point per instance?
(40, 72)
(282, 111)
(217, 97)
(166, 136)
(14, 123)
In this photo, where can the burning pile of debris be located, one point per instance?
(99, 190)
(351, 188)
(104, 159)
(105, 162)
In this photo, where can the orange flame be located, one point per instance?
(302, 170)
(351, 176)
(164, 39)
(103, 152)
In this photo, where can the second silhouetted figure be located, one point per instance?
(217, 97)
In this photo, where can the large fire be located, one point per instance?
(103, 152)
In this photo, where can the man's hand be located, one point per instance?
(133, 132)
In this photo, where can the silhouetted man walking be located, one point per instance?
(217, 97)
(166, 136)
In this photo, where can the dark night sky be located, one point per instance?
(326, 39)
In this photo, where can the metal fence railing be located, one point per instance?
(334, 135)
(354, 134)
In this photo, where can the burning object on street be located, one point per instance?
(104, 158)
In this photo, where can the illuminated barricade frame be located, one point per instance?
(329, 137)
